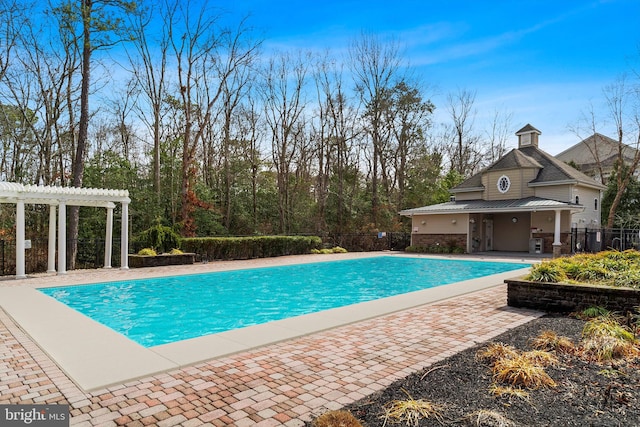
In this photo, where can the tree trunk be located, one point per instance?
(83, 131)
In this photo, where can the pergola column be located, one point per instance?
(51, 251)
(108, 237)
(62, 237)
(557, 244)
(124, 237)
(20, 263)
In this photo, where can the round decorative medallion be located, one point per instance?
(503, 184)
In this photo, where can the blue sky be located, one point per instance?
(543, 61)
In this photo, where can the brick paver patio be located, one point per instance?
(283, 384)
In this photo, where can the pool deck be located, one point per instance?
(281, 373)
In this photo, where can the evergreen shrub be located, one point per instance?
(160, 238)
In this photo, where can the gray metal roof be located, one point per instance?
(529, 204)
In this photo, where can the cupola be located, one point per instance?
(528, 136)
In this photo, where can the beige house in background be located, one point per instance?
(594, 150)
(527, 201)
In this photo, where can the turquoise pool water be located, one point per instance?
(168, 309)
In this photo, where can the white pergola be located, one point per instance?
(61, 197)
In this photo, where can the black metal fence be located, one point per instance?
(91, 251)
(90, 255)
(600, 239)
(364, 242)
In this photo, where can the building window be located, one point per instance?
(503, 184)
(595, 204)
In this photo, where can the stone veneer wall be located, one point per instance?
(564, 298)
(427, 240)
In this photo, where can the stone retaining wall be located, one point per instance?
(564, 298)
(138, 261)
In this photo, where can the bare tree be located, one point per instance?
(618, 97)
(498, 135)
(410, 119)
(248, 128)
(12, 18)
(85, 26)
(234, 89)
(283, 99)
(149, 71)
(464, 153)
(335, 131)
(206, 55)
(375, 67)
(588, 122)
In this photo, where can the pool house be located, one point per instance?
(526, 201)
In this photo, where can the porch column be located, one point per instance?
(108, 237)
(51, 251)
(20, 264)
(62, 237)
(557, 244)
(124, 237)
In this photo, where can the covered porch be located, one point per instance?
(534, 225)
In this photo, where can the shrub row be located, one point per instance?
(227, 248)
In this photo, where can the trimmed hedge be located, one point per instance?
(227, 248)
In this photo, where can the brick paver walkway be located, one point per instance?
(286, 383)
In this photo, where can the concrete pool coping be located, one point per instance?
(95, 357)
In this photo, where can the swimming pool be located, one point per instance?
(157, 311)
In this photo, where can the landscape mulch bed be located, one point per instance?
(587, 393)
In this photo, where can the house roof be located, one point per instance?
(596, 148)
(515, 159)
(555, 170)
(551, 170)
(529, 204)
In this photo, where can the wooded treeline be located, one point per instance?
(213, 135)
(209, 133)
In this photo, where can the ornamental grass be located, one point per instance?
(501, 390)
(551, 341)
(494, 352)
(605, 339)
(611, 268)
(514, 368)
(411, 411)
(485, 417)
(338, 418)
(522, 370)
